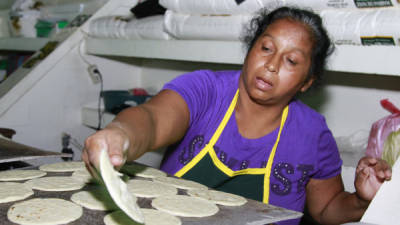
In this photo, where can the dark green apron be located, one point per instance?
(207, 169)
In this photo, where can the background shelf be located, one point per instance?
(22, 44)
(346, 58)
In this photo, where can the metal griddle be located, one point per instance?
(251, 213)
(11, 151)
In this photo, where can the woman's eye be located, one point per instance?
(265, 48)
(291, 61)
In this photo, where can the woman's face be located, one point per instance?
(277, 66)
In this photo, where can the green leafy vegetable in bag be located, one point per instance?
(391, 147)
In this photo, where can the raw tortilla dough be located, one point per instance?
(151, 217)
(55, 184)
(218, 197)
(16, 175)
(118, 188)
(96, 199)
(83, 175)
(150, 189)
(63, 166)
(44, 211)
(180, 183)
(12, 191)
(142, 171)
(183, 205)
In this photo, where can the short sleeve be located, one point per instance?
(196, 89)
(329, 162)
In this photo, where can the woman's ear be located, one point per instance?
(307, 84)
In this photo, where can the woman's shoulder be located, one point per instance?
(209, 78)
(306, 116)
(219, 75)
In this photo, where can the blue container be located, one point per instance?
(117, 100)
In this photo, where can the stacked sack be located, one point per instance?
(349, 22)
(189, 19)
(208, 19)
(358, 22)
(141, 22)
(354, 22)
(380, 26)
(129, 27)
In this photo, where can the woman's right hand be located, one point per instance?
(112, 138)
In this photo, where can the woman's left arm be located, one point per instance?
(328, 203)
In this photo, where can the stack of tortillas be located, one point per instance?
(40, 211)
(117, 196)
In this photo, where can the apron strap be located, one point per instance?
(272, 155)
(225, 120)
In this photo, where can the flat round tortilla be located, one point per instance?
(118, 189)
(151, 217)
(183, 205)
(17, 175)
(63, 166)
(83, 175)
(55, 184)
(150, 189)
(142, 171)
(12, 191)
(96, 199)
(180, 183)
(218, 197)
(44, 211)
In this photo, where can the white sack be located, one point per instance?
(146, 28)
(128, 28)
(108, 27)
(363, 27)
(251, 6)
(215, 7)
(339, 4)
(197, 27)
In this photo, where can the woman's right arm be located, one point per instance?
(136, 130)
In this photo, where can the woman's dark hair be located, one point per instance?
(322, 46)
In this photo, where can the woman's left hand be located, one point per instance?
(370, 174)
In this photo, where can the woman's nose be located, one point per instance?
(272, 65)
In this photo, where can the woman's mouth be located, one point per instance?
(263, 85)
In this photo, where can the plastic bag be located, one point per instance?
(381, 129)
(391, 148)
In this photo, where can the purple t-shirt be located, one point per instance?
(306, 149)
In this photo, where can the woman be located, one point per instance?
(244, 132)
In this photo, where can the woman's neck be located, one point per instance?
(255, 120)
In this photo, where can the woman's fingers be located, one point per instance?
(117, 148)
(114, 141)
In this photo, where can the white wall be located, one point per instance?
(53, 105)
(351, 102)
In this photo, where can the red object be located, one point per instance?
(381, 129)
(139, 91)
(386, 104)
